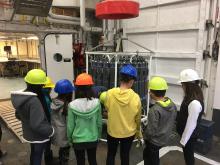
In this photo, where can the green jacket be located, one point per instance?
(84, 121)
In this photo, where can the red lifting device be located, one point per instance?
(117, 9)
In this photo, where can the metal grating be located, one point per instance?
(7, 113)
(32, 7)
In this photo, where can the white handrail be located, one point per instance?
(146, 54)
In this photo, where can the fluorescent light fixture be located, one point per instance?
(30, 38)
(2, 37)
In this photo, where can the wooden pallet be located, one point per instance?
(7, 113)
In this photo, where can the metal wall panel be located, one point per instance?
(172, 67)
(151, 3)
(177, 41)
(146, 19)
(144, 3)
(176, 31)
(148, 39)
(181, 13)
(171, 28)
(176, 94)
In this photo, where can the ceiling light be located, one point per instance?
(32, 38)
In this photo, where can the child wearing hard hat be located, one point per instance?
(123, 106)
(190, 113)
(161, 119)
(84, 124)
(59, 108)
(29, 105)
(48, 154)
(46, 91)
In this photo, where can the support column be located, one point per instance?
(41, 51)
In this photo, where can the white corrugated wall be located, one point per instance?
(175, 30)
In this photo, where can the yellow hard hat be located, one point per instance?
(158, 83)
(36, 77)
(49, 83)
(102, 97)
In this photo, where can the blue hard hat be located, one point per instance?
(129, 70)
(64, 86)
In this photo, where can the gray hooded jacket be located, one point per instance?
(161, 121)
(58, 120)
(36, 128)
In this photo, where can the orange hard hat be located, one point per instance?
(84, 79)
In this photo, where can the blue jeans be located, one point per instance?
(37, 150)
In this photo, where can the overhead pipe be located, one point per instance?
(52, 20)
(82, 14)
(63, 17)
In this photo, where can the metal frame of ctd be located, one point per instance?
(149, 54)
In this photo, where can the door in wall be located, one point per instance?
(58, 54)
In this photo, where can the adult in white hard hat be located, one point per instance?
(189, 75)
(190, 114)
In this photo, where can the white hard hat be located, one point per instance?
(188, 75)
